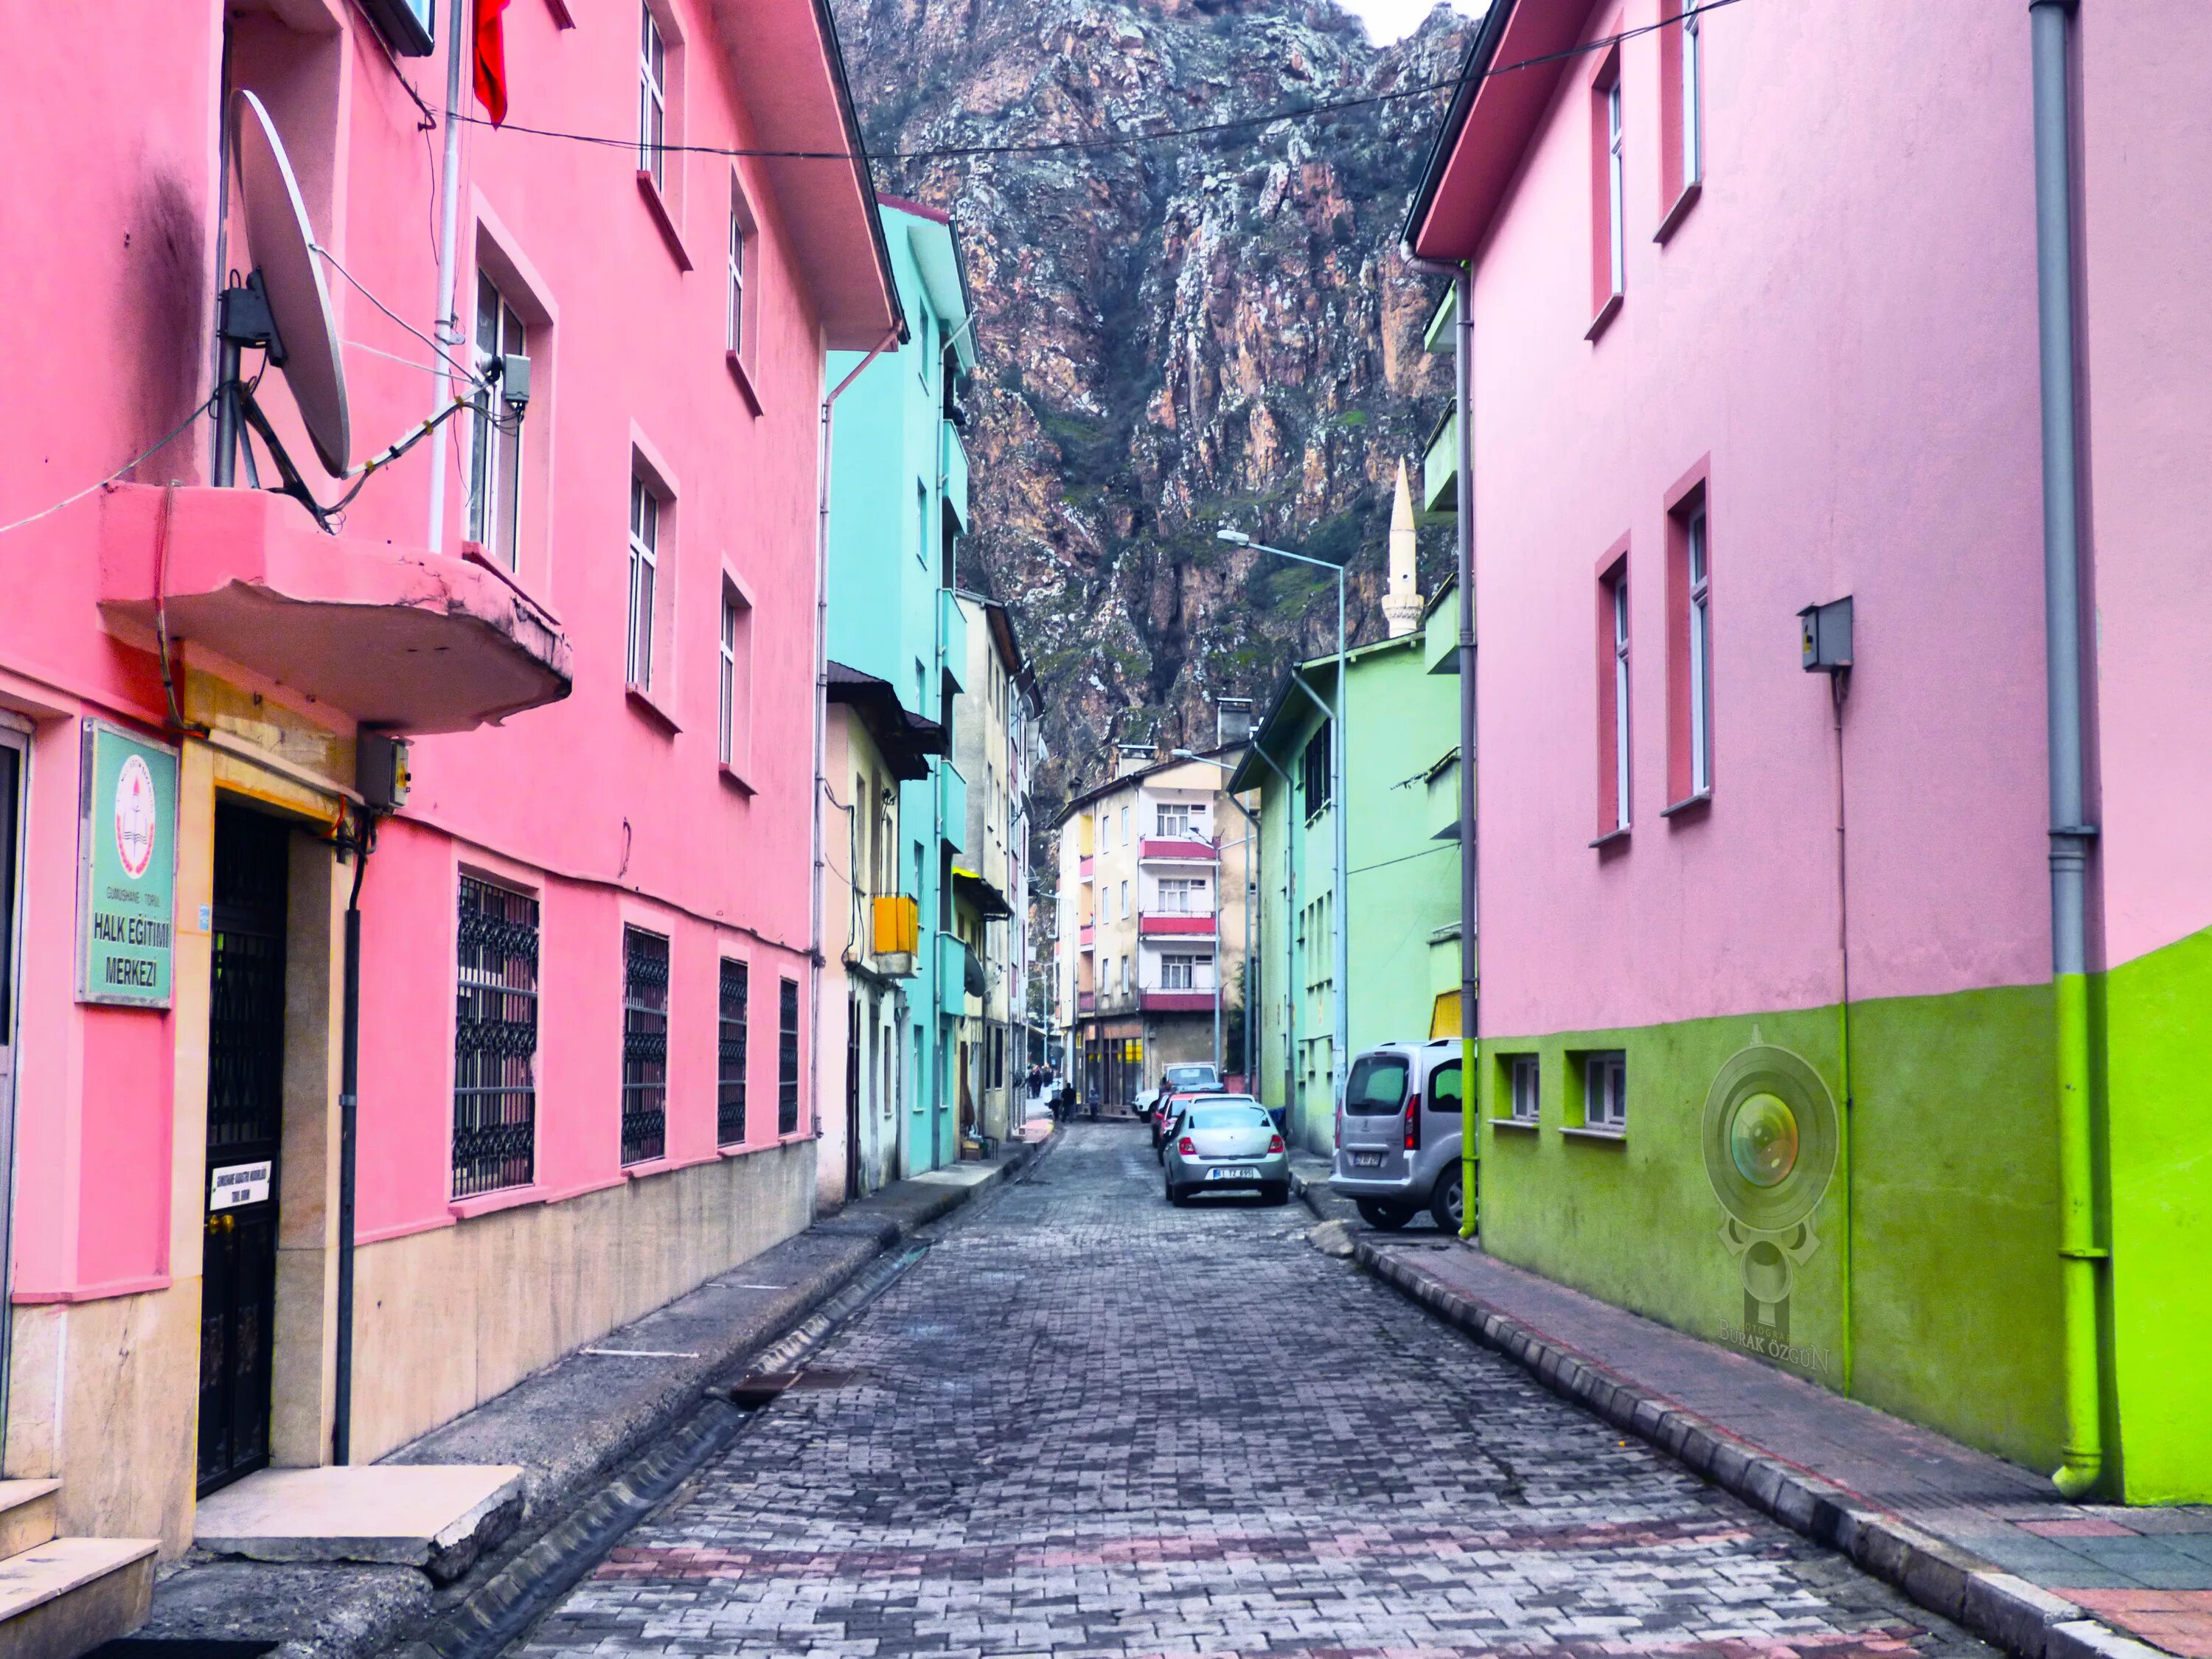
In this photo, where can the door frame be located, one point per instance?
(15, 735)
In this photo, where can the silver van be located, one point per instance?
(1398, 1135)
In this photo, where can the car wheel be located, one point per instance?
(1444, 1204)
(1175, 1197)
(1384, 1216)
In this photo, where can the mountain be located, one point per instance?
(1174, 335)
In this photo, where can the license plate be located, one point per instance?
(1367, 1160)
(1230, 1175)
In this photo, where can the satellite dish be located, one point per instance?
(283, 241)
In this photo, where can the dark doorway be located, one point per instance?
(245, 1109)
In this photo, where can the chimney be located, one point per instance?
(1401, 603)
(1134, 757)
(1232, 722)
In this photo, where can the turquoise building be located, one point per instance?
(1402, 782)
(898, 506)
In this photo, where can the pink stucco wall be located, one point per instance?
(613, 808)
(1842, 331)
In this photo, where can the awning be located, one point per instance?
(986, 898)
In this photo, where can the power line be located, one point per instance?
(143, 455)
(1109, 141)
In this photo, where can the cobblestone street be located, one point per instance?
(1087, 1422)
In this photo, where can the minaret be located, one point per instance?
(1402, 603)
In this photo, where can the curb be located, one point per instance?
(1952, 1583)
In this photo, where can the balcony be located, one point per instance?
(1175, 1002)
(1174, 923)
(959, 975)
(1440, 465)
(954, 625)
(1086, 935)
(955, 474)
(1083, 869)
(1086, 1002)
(894, 934)
(956, 804)
(1178, 849)
(402, 638)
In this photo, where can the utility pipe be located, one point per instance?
(2080, 1255)
(348, 1121)
(1463, 278)
(448, 326)
(822, 724)
(944, 585)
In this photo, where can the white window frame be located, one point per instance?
(727, 729)
(496, 451)
(1179, 971)
(734, 328)
(1697, 556)
(1616, 189)
(1605, 1092)
(1620, 700)
(1182, 895)
(1526, 1076)
(652, 98)
(644, 577)
(1694, 147)
(1175, 820)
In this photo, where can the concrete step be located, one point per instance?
(66, 1596)
(27, 1513)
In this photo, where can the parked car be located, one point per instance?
(1192, 1078)
(1163, 1115)
(1398, 1135)
(1225, 1143)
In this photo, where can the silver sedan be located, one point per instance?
(1226, 1143)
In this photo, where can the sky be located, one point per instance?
(1393, 20)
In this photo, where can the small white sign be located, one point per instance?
(241, 1183)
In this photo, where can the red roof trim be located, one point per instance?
(919, 209)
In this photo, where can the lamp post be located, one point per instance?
(1342, 1059)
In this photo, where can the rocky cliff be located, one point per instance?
(1174, 335)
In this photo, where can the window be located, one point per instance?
(1693, 161)
(734, 302)
(1184, 973)
(1314, 771)
(921, 521)
(1175, 820)
(1701, 653)
(734, 682)
(787, 1057)
(1613, 700)
(495, 441)
(1181, 897)
(1377, 1086)
(644, 562)
(1125, 900)
(1525, 1077)
(1125, 826)
(1125, 975)
(730, 1055)
(495, 1040)
(651, 98)
(1445, 1091)
(645, 1046)
(1608, 227)
(1605, 1092)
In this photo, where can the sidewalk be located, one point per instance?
(571, 1427)
(1966, 1534)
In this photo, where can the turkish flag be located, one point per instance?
(491, 60)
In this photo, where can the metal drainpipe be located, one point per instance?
(447, 326)
(1463, 276)
(348, 1121)
(2080, 1255)
(822, 728)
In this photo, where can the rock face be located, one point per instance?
(1174, 335)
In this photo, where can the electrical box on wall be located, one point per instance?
(380, 770)
(1825, 637)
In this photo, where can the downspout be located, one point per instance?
(822, 731)
(449, 320)
(2079, 1251)
(349, 1120)
(950, 342)
(1463, 276)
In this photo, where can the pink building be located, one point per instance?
(585, 936)
(1804, 1028)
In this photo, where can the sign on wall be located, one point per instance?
(127, 868)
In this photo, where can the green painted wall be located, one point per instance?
(1947, 1189)
(1404, 884)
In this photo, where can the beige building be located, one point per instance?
(1154, 919)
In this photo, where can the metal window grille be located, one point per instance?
(730, 1074)
(495, 1040)
(645, 1046)
(787, 1058)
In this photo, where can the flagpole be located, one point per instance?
(447, 326)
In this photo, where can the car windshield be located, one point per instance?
(1230, 1117)
(1378, 1084)
(1190, 1077)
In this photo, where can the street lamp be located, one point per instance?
(1341, 1060)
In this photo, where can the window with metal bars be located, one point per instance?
(645, 1046)
(787, 1058)
(729, 1075)
(495, 1040)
